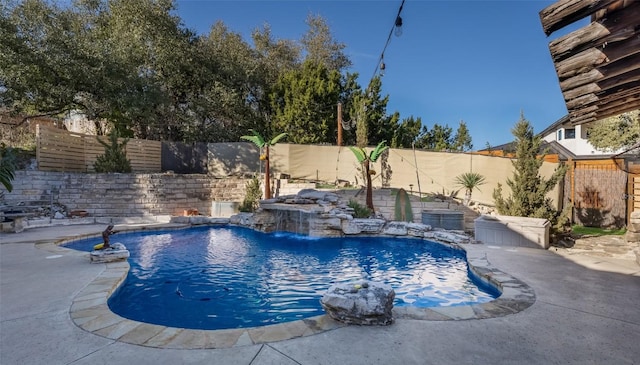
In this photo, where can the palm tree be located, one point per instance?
(259, 141)
(366, 160)
(469, 181)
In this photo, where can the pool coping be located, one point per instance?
(90, 312)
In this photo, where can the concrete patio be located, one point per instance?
(586, 312)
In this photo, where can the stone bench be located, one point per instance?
(15, 223)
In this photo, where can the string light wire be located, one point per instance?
(381, 59)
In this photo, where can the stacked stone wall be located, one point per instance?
(384, 201)
(633, 233)
(123, 195)
(286, 187)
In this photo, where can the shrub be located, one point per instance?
(252, 196)
(528, 188)
(360, 211)
(115, 157)
(7, 166)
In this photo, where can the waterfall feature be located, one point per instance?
(287, 218)
(322, 214)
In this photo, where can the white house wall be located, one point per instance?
(579, 145)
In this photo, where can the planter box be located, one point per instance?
(504, 230)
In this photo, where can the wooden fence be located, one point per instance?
(59, 150)
(597, 189)
(185, 158)
(633, 190)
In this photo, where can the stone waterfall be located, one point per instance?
(323, 214)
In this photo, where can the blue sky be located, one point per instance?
(479, 61)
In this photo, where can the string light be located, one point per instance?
(397, 27)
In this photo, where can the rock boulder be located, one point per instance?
(117, 252)
(361, 303)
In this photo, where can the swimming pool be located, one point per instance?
(231, 277)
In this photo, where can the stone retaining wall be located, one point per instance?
(123, 195)
(286, 187)
(633, 233)
(168, 194)
(384, 200)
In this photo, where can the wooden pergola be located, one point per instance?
(598, 66)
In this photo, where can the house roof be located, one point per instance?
(564, 154)
(553, 127)
(508, 147)
(598, 66)
(511, 146)
(6, 118)
(631, 151)
(544, 146)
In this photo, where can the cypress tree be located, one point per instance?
(528, 189)
(115, 156)
(462, 138)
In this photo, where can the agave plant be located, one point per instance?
(469, 181)
(366, 160)
(263, 144)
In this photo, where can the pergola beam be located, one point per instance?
(598, 66)
(562, 13)
(617, 27)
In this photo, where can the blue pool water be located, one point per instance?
(231, 277)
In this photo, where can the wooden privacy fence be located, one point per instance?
(185, 158)
(59, 150)
(597, 189)
(633, 190)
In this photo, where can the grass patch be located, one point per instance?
(595, 231)
(325, 186)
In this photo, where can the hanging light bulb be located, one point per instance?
(398, 31)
